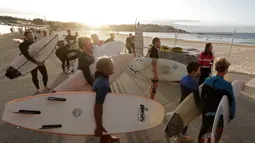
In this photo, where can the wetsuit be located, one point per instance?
(84, 61)
(61, 54)
(206, 61)
(109, 40)
(129, 44)
(23, 47)
(70, 37)
(188, 85)
(212, 91)
(101, 86)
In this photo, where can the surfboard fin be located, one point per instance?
(56, 99)
(51, 126)
(28, 112)
(174, 126)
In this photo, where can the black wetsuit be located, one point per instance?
(84, 61)
(130, 44)
(70, 37)
(109, 40)
(23, 47)
(61, 54)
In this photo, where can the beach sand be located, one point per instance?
(240, 130)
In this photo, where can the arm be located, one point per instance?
(25, 53)
(98, 108)
(83, 64)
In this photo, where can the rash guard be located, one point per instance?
(23, 47)
(101, 86)
(188, 85)
(154, 52)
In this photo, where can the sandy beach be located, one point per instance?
(240, 130)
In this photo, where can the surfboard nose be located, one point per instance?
(12, 73)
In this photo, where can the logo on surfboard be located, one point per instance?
(77, 112)
(141, 113)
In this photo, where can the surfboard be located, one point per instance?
(187, 111)
(223, 109)
(108, 49)
(139, 44)
(72, 113)
(167, 70)
(249, 88)
(77, 81)
(40, 50)
(17, 41)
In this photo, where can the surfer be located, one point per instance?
(189, 84)
(206, 59)
(95, 40)
(86, 58)
(101, 86)
(23, 47)
(61, 54)
(110, 39)
(154, 55)
(212, 91)
(69, 37)
(130, 43)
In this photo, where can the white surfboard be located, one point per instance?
(77, 81)
(40, 50)
(167, 70)
(223, 108)
(108, 49)
(72, 113)
(249, 88)
(139, 43)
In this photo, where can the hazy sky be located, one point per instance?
(97, 12)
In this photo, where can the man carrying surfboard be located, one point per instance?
(23, 47)
(86, 58)
(189, 84)
(101, 86)
(212, 91)
(154, 55)
(70, 37)
(110, 39)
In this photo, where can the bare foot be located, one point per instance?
(183, 138)
(38, 91)
(46, 88)
(114, 139)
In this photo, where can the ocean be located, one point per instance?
(240, 38)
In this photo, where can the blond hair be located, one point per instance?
(104, 65)
(222, 64)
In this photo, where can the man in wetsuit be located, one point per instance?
(189, 84)
(212, 91)
(129, 43)
(110, 39)
(154, 55)
(23, 47)
(101, 86)
(61, 53)
(70, 37)
(86, 58)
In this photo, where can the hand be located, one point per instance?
(39, 63)
(99, 131)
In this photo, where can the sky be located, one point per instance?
(189, 14)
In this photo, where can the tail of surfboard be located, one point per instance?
(174, 126)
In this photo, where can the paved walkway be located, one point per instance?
(240, 130)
